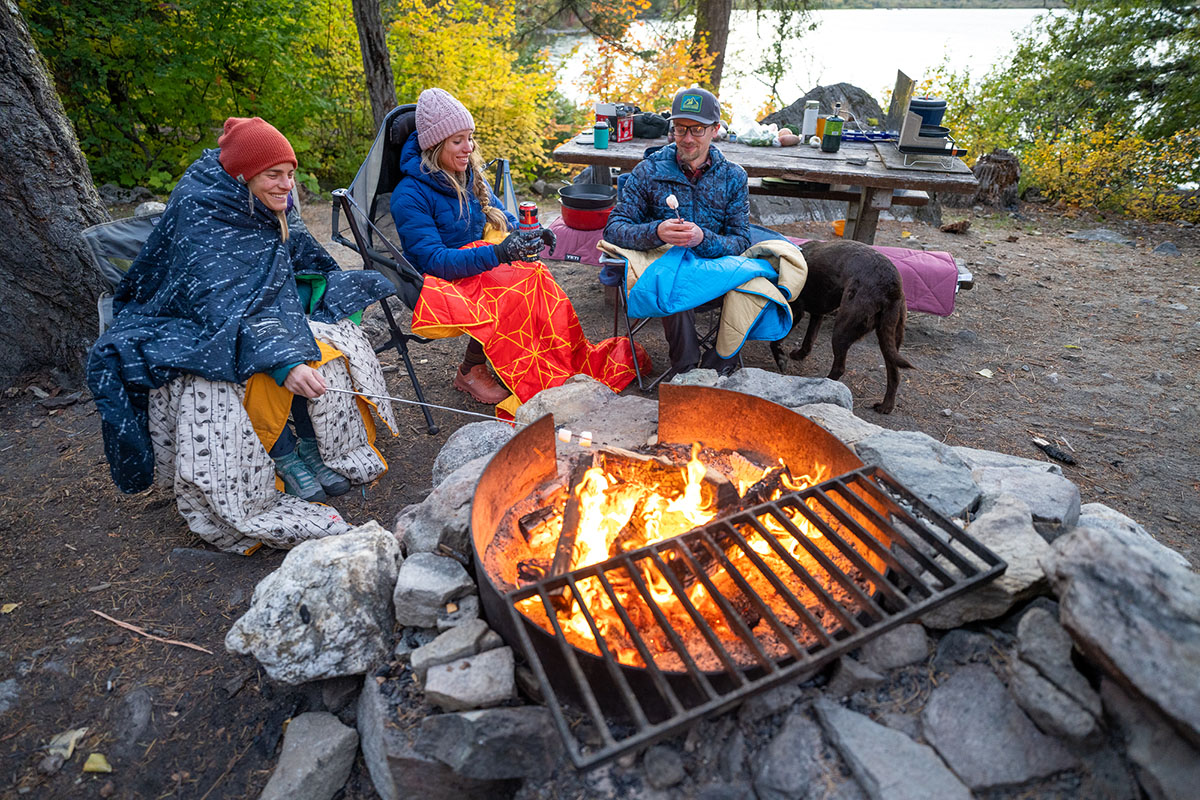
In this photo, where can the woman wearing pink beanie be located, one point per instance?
(483, 277)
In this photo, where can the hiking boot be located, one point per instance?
(298, 479)
(334, 484)
(479, 383)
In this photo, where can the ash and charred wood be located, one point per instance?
(570, 529)
(767, 488)
(532, 569)
(531, 523)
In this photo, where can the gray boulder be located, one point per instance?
(857, 102)
(425, 583)
(1100, 517)
(929, 469)
(987, 459)
(1046, 646)
(468, 443)
(326, 611)
(444, 517)
(887, 764)
(788, 390)
(318, 752)
(1100, 235)
(839, 421)
(983, 735)
(478, 681)
(1052, 710)
(493, 744)
(458, 642)
(1052, 499)
(1168, 765)
(1007, 530)
(850, 676)
(790, 762)
(899, 647)
(575, 399)
(1136, 613)
(624, 421)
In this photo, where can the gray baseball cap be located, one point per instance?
(697, 104)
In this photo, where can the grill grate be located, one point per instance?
(907, 557)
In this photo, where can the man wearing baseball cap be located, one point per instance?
(713, 208)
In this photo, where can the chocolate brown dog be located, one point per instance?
(864, 287)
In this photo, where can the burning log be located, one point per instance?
(767, 488)
(570, 529)
(664, 476)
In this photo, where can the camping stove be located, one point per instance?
(634, 632)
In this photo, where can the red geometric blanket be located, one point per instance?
(527, 326)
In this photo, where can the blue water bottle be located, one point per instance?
(600, 136)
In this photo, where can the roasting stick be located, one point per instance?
(565, 435)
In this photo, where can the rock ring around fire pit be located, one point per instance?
(790, 554)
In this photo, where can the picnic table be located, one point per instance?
(868, 176)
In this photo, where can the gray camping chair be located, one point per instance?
(362, 221)
(114, 246)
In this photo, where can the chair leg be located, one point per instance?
(399, 340)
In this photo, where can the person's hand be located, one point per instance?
(304, 381)
(680, 233)
(515, 247)
(548, 239)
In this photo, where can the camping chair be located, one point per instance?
(612, 273)
(362, 221)
(114, 246)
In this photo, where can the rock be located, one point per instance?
(624, 421)
(790, 763)
(575, 399)
(425, 584)
(732, 758)
(475, 682)
(471, 441)
(398, 771)
(887, 764)
(787, 390)
(1167, 249)
(113, 195)
(839, 421)
(1046, 646)
(465, 610)
(769, 702)
(737, 790)
(131, 722)
(850, 676)
(1168, 765)
(409, 640)
(1136, 613)
(1053, 500)
(339, 693)
(961, 646)
(664, 767)
(1100, 235)
(458, 642)
(984, 459)
(149, 208)
(1007, 529)
(899, 647)
(326, 611)
(857, 101)
(1100, 517)
(493, 744)
(984, 736)
(317, 754)
(927, 467)
(444, 517)
(770, 210)
(698, 377)
(1053, 711)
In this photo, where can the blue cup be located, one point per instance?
(600, 137)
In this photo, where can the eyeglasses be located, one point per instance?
(695, 130)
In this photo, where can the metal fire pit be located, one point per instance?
(908, 560)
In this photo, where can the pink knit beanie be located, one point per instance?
(439, 115)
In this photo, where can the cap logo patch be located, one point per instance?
(691, 102)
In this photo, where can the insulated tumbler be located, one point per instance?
(600, 137)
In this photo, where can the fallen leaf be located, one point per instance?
(8, 608)
(1072, 347)
(96, 763)
(905, 234)
(63, 744)
(987, 373)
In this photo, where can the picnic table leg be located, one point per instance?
(873, 201)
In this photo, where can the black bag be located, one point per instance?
(649, 126)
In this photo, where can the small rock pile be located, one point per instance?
(1072, 675)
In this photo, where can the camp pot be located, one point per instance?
(585, 219)
(587, 195)
(934, 131)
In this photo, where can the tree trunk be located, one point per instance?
(49, 282)
(712, 23)
(377, 63)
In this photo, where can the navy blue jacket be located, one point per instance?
(212, 293)
(432, 225)
(719, 203)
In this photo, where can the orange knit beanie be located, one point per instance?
(250, 145)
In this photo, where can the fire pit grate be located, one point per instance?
(906, 559)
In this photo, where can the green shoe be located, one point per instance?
(298, 479)
(334, 484)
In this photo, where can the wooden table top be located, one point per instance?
(881, 164)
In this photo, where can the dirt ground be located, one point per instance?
(1090, 345)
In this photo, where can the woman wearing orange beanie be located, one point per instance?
(231, 320)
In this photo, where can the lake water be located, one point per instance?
(863, 47)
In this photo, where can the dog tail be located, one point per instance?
(891, 334)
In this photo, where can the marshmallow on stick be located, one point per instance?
(673, 204)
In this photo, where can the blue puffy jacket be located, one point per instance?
(431, 224)
(719, 203)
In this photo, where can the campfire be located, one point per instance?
(663, 585)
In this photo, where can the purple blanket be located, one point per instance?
(930, 277)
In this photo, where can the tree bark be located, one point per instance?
(50, 284)
(712, 23)
(377, 62)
